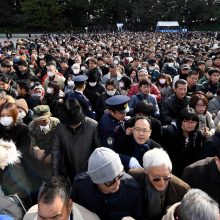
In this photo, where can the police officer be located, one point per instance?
(106, 189)
(80, 85)
(117, 108)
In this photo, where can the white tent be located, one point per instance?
(167, 26)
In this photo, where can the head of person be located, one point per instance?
(188, 120)
(184, 69)
(51, 69)
(216, 61)
(144, 86)
(53, 88)
(208, 62)
(142, 75)
(92, 79)
(110, 87)
(80, 82)
(105, 169)
(92, 63)
(8, 114)
(6, 67)
(199, 102)
(158, 167)
(196, 204)
(71, 113)
(201, 65)
(214, 75)
(76, 68)
(4, 81)
(144, 108)
(118, 106)
(180, 88)
(54, 199)
(124, 85)
(23, 87)
(64, 65)
(42, 63)
(113, 70)
(41, 116)
(192, 78)
(141, 129)
(132, 73)
(38, 90)
(22, 108)
(22, 66)
(162, 80)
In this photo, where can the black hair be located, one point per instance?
(56, 186)
(141, 117)
(24, 85)
(144, 107)
(4, 78)
(144, 82)
(213, 70)
(180, 82)
(110, 82)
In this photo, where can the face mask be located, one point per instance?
(83, 68)
(6, 121)
(50, 74)
(115, 62)
(45, 128)
(50, 90)
(151, 68)
(92, 84)
(170, 64)
(99, 55)
(41, 56)
(70, 83)
(76, 71)
(32, 84)
(121, 84)
(162, 81)
(110, 93)
(31, 66)
(21, 114)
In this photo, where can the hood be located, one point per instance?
(9, 155)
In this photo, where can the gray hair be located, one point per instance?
(142, 70)
(156, 157)
(196, 204)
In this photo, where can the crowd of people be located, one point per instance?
(111, 126)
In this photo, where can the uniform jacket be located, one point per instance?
(175, 191)
(78, 213)
(114, 206)
(73, 147)
(171, 107)
(204, 175)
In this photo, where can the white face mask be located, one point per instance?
(162, 81)
(92, 84)
(110, 93)
(50, 90)
(6, 121)
(31, 66)
(36, 94)
(76, 71)
(50, 74)
(70, 83)
(45, 128)
(115, 62)
(121, 84)
(170, 64)
(83, 68)
(41, 56)
(21, 114)
(151, 68)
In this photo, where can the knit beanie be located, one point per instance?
(21, 103)
(104, 165)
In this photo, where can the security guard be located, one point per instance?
(80, 85)
(118, 107)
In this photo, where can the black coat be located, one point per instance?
(171, 107)
(181, 154)
(204, 175)
(113, 206)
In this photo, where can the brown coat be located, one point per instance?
(175, 191)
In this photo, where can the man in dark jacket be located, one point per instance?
(159, 188)
(76, 138)
(106, 189)
(171, 107)
(205, 175)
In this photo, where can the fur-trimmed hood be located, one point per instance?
(9, 155)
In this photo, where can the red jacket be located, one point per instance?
(153, 91)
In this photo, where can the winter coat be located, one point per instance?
(72, 147)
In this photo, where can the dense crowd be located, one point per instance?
(122, 124)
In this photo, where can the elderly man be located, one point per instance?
(196, 204)
(106, 189)
(54, 202)
(76, 138)
(159, 187)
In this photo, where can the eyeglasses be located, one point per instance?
(201, 105)
(159, 178)
(111, 183)
(144, 130)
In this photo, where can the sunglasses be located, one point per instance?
(159, 178)
(111, 183)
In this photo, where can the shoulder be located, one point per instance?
(178, 183)
(31, 214)
(81, 177)
(138, 174)
(90, 121)
(129, 181)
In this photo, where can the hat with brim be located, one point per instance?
(41, 112)
(71, 112)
